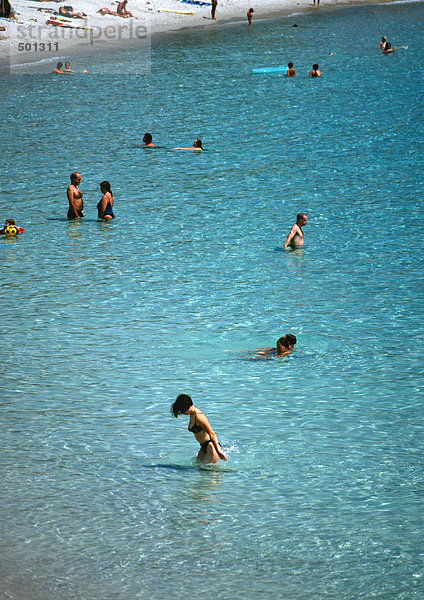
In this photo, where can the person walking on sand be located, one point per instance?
(315, 72)
(295, 237)
(210, 449)
(213, 9)
(290, 71)
(75, 210)
(249, 16)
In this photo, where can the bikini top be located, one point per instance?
(195, 428)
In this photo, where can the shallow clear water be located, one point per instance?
(105, 323)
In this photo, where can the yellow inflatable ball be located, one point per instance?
(11, 230)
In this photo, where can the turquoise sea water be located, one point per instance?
(105, 323)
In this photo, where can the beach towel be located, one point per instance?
(197, 2)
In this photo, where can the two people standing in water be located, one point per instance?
(76, 204)
(210, 449)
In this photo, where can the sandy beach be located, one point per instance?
(39, 33)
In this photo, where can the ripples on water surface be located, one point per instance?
(105, 323)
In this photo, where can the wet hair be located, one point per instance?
(59, 65)
(287, 340)
(300, 216)
(315, 67)
(291, 339)
(388, 46)
(290, 65)
(198, 144)
(9, 222)
(147, 138)
(181, 405)
(283, 341)
(106, 185)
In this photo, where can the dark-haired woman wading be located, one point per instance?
(210, 449)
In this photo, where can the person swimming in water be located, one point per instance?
(105, 205)
(210, 449)
(383, 43)
(147, 139)
(197, 145)
(315, 72)
(388, 49)
(284, 345)
(290, 71)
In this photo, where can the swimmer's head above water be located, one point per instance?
(198, 144)
(181, 405)
(286, 343)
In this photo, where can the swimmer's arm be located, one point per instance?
(291, 235)
(203, 421)
(70, 194)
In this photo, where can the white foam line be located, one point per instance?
(37, 62)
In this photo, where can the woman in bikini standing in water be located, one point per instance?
(210, 449)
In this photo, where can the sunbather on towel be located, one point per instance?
(107, 11)
(121, 11)
(68, 11)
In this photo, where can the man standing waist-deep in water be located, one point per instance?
(75, 197)
(295, 237)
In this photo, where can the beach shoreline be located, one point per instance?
(30, 42)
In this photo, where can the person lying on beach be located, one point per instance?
(315, 72)
(58, 69)
(284, 345)
(382, 44)
(74, 194)
(107, 11)
(10, 223)
(68, 11)
(290, 71)
(147, 139)
(105, 205)
(388, 49)
(197, 145)
(295, 237)
(210, 449)
(121, 11)
(250, 15)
